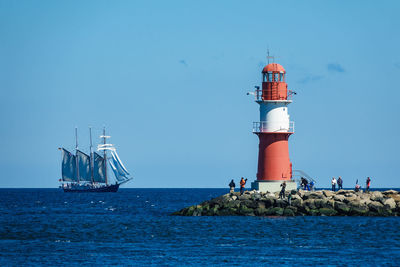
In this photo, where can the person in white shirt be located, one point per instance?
(334, 184)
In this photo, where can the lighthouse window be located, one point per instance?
(270, 77)
(276, 77)
(265, 77)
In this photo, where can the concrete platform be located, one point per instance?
(272, 186)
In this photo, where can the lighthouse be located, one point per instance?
(273, 131)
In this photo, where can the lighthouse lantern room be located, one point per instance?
(273, 131)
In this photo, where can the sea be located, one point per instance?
(134, 227)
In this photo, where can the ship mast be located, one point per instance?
(91, 157)
(105, 154)
(76, 154)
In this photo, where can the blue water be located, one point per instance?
(133, 227)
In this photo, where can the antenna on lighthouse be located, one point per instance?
(270, 57)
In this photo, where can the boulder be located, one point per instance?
(355, 203)
(313, 195)
(365, 201)
(268, 202)
(280, 203)
(295, 196)
(376, 196)
(341, 207)
(328, 203)
(227, 212)
(327, 212)
(233, 204)
(243, 210)
(375, 206)
(297, 203)
(261, 205)
(276, 211)
(244, 197)
(349, 194)
(350, 198)
(256, 196)
(338, 197)
(314, 212)
(363, 196)
(396, 197)
(390, 192)
(341, 192)
(301, 193)
(361, 210)
(385, 212)
(328, 193)
(390, 203)
(323, 203)
(261, 212)
(319, 203)
(294, 209)
(288, 212)
(189, 211)
(310, 203)
(249, 203)
(197, 211)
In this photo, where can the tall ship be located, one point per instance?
(89, 173)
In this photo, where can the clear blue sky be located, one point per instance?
(169, 81)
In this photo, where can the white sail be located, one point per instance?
(119, 165)
(116, 173)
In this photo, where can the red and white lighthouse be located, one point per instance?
(273, 130)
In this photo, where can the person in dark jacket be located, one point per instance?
(232, 186)
(282, 193)
(303, 183)
(340, 183)
(368, 183)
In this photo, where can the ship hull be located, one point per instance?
(104, 189)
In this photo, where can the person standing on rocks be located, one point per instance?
(358, 187)
(312, 188)
(232, 186)
(242, 185)
(282, 193)
(333, 184)
(368, 184)
(302, 184)
(340, 183)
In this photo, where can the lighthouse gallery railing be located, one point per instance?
(258, 94)
(261, 127)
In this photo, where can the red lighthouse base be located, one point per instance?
(274, 165)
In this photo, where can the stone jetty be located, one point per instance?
(301, 203)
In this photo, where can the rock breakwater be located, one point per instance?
(301, 203)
